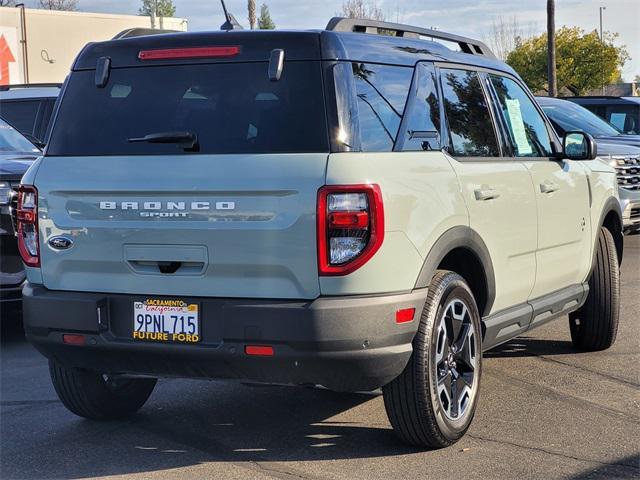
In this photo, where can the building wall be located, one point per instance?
(629, 89)
(54, 38)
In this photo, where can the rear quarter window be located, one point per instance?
(230, 107)
(380, 93)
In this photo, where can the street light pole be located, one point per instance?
(551, 49)
(602, 51)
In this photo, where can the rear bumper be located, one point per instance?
(343, 343)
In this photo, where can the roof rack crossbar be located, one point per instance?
(467, 45)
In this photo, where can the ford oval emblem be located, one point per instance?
(60, 243)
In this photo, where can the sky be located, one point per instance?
(472, 18)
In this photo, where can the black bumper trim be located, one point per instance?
(343, 343)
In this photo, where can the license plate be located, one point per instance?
(161, 320)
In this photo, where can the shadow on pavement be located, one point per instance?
(185, 423)
(531, 347)
(625, 468)
(241, 424)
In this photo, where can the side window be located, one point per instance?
(622, 117)
(21, 114)
(381, 93)
(422, 119)
(40, 129)
(470, 125)
(526, 127)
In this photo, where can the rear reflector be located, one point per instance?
(73, 339)
(405, 315)
(349, 220)
(261, 350)
(190, 52)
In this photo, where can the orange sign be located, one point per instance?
(6, 57)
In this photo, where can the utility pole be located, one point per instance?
(551, 48)
(602, 51)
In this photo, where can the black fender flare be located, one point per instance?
(612, 204)
(465, 237)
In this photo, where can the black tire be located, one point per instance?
(595, 325)
(92, 395)
(415, 409)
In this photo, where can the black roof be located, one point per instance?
(604, 100)
(256, 45)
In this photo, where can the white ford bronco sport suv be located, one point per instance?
(335, 207)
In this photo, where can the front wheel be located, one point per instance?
(99, 397)
(595, 325)
(432, 402)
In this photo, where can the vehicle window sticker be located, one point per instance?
(517, 126)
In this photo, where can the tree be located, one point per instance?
(157, 8)
(7, 3)
(505, 34)
(251, 7)
(362, 9)
(580, 58)
(265, 22)
(68, 5)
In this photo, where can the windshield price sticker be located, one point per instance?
(517, 127)
(161, 320)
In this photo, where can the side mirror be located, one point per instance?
(579, 146)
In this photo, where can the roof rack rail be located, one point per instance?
(467, 45)
(139, 32)
(4, 88)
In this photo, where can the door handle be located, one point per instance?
(486, 193)
(549, 187)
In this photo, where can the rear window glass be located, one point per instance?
(381, 92)
(230, 108)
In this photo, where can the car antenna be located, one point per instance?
(230, 21)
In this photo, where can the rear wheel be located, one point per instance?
(432, 402)
(99, 397)
(595, 325)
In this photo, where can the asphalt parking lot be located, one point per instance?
(546, 411)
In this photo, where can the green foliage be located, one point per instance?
(264, 21)
(162, 8)
(582, 61)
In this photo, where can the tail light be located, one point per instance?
(350, 227)
(27, 218)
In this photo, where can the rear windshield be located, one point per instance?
(230, 108)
